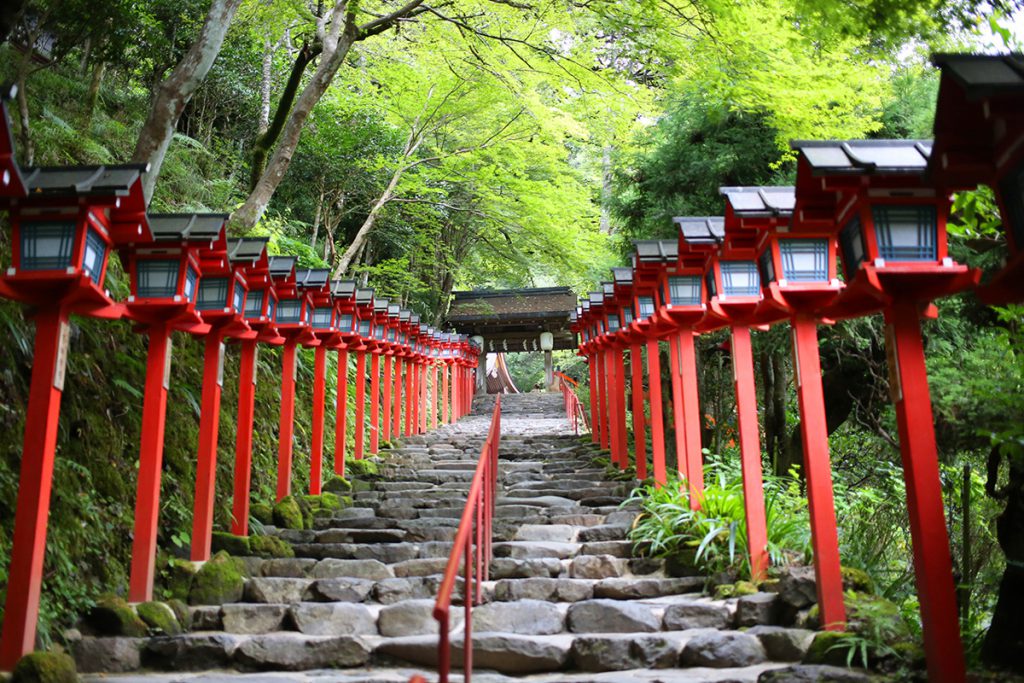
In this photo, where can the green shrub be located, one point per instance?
(716, 534)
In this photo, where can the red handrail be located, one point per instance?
(473, 547)
(573, 406)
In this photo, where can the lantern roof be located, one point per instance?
(663, 251)
(984, 75)
(859, 157)
(282, 266)
(608, 288)
(312, 278)
(247, 249)
(380, 305)
(192, 227)
(622, 276)
(364, 297)
(596, 299)
(702, 230)
(760, 202)
(343, 289)
(414, 319)
(404, 315)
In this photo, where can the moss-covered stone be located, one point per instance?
(113, 616)
(159, 617)
(744, 588)
(337, 485)
(262, 513)
(329, 502)
(360, 485)
(218, 581)
(362, 468)
(288, 514)
(229, 543)
(181, 613)
(178, 577)
(45, 667)
(270, 546)
(724, 591)
(828, 647)
(306, 507)
(857, 580)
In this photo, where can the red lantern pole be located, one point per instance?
(691, 416)
(595, 411)
(932, 564)
(417, 406)
(374, 403)
(455, 392)
(21, 612)
(341, 414)
(410, 394)
(602, 394)
(243, 439)
(387, 397)
(657, 419)
(611, 382)
(206, 463)
(287, 420)
(433, 395)
(636, 367)
(151, 453)
(818, 469)
(620, 405)
(360, 404)
(750, 451)
(678, 421)
(316, 459)
(444, 394)
(396, 425)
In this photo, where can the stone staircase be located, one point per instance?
(566, 600)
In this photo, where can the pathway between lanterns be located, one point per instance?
(567, 601)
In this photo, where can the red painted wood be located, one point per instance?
(932, 564)
(444, 394)
(243, 439)
(374, 403)
(620, 412)
(691, 416)
(316, 458)
(360, 435)
(456, 380)
(287, 421)
(396, 425)
(341, 414)
(818, 470)
(595, 425)
(21, 610)
(678, 422)
(602, 399)
(636, 367)
(750, 451)
(410, 394)
(433, 396)
(387, 397)
(151, 454)
(657, 421)
(206, 462)
(612, 400)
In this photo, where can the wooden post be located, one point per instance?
(433, 396)
(360, 435)
(933, 568)
(657, 421)
(612, 400)
(387, 397)
(206, 463)
(636, 367)
(396, 414)
(678, 422)
(691, 416)
(374, 402)
(151, 455)
(410, 394)
(619, 364)
(316, 458)
(595, 426)
(750, 451)
(287, 423)
(602, 399)
(818, 469)
(341, 414)
(21, 611)
(243, 439)
(444, 394)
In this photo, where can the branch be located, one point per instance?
(382, 24)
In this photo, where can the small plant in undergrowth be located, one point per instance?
(714, 537)
(878, 636)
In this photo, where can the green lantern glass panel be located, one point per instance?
(684, 290)
(289, 312)
(804, 260)
(254, 304)
(47, 245)
(740, 278)
(156, 278)
(213, 294)
(906, 233)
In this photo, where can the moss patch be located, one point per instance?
(113, 616)
(828, 647)
(362, 468)
(338, 485)
(219, 581)
(178, 577)
(159, 617)
(270, 546)
(181, 613)
(288, 514)
(229, 543)
(262, 513)
(856, 580)
(45, 667)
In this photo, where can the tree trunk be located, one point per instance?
(336, 45)
(771, 438)
(778, 401)
(1004, 643)
(371, 219)
(27, 148)
(98, 70)
(177, 89)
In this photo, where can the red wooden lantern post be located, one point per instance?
(434, 352)
(324, 327)
(366, 309)
(601, 387)
(733, 296)
(163, 269)
(344, 292)
(618, 343)
(797, 264)
(391, 357)
(63, 222)
(260, 311)
(585, 328)
(979, 139)
(220, 301)
(293, 309)
(891, 223)
(382, 329)
(622, 279)
(649, 262)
